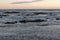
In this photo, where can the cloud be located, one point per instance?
(20, 2)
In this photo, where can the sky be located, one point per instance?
(43, 4)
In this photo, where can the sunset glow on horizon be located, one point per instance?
(38, 5)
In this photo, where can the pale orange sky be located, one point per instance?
(41, 4)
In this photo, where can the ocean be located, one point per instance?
(29, 24)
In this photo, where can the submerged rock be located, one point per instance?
(11, 22)
(3, 15)
(57, 18)
(37, 20)
(12, 12)
(44, 25)
(37, 13)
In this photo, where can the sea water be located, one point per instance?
(27, 31)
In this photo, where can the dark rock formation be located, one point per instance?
(3, 15)
(27, 14)
(37, 20)
(12, 12)
(44, 25)
(47, 18)
(57, 18)
(11, 22)
(37, 13)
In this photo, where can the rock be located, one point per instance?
(11, 22)
(37, 20)
(44, 25)
(11, 12)
(37, 13)
(27, 14)
(57, 19)
(3, 15)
